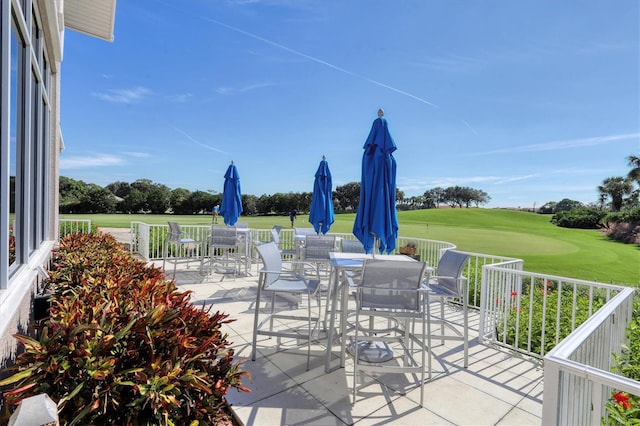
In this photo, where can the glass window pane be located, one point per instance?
(34, 142)
(13, 242)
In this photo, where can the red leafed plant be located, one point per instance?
(123, 345)
(12, 249)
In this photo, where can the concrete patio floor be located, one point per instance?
(497, 388)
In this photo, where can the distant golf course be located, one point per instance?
(545, 248)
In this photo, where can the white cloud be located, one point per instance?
(83, 162)
(124, 96)
(233, 90)
(180, 98)
(137, 154)
(566, 144)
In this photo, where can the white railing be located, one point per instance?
(72, 226)
(140, 239)
(531, 312)
(524, 311)
(577, 378)
(148, 240)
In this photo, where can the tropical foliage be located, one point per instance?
(123, 345)
(539, 317)
(583, 218)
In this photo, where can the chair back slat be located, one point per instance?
(318, 247)
(305, 231)
(391, 284)
(351, 246)
(275, 236)
(271, 261)
(175, 232)
(222, 236)
(450, 269)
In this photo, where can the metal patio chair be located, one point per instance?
(316, 251)
(449, 283)
(390, 299)
(177, 244)
(275, 280)
(225, 251)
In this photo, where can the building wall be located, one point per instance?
(31, 50)
(30, 140)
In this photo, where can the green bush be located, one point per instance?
(532, 313)
(583, 218)
(626, 216)
(123, 345)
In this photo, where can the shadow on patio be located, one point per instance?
(498, 387)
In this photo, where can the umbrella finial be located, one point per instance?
(380, 113)
(324, 158)
(231, 161)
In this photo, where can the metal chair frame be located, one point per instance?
(175, 239)
(224, 250)
(391, 290)
(275, 280)
(449, 283)
(316, 252)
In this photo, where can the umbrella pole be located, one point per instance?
(376, 245)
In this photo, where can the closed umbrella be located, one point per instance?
(231, 196)
(321, 214)
(376, 218)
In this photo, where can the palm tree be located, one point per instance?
(634, 173)
(616, 188)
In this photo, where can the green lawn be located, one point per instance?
(545, 248)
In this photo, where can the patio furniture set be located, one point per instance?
(377, 306)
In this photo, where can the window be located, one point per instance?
(25, 112)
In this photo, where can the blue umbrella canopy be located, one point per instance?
(321, 214)
(376, 217)
(231, 196)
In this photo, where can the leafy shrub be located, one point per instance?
(12, 249)
(626, 216)
(623, 226)
(583, 218)
(123, 345)
(533, 312)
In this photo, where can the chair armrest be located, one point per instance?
(282, 273)
(460, 278)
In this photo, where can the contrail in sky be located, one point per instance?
(565, 144)
(198, 142)
(320, 61)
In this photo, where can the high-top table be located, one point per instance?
(341, 262)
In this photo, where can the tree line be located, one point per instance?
(145, 196)
(617, 193)
(617, 210)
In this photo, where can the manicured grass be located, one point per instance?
(545, 248)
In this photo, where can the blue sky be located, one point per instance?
(530, 100)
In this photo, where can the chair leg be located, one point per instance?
(165, 252)
(355, 357)
(309, 329)
(422, 362)
(428, 317)
(273, 309)
(465, 312)
(255, 322)
(175, 260)
(442, 320)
